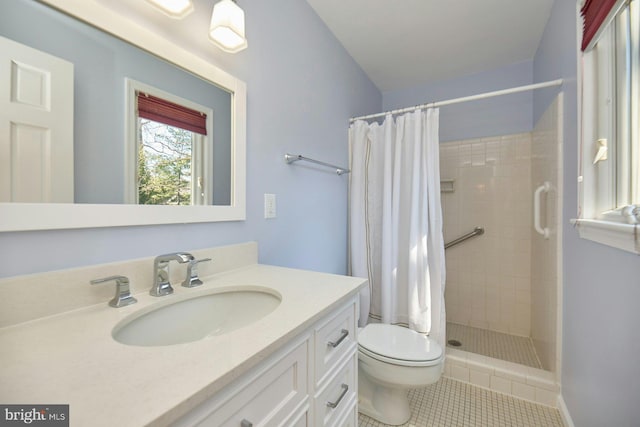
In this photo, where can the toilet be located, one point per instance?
(392, 360)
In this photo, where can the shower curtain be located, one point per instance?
(395, 221)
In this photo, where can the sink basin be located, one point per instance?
(194, 318)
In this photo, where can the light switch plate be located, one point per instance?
(269, 205)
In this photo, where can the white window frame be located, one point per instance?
(202, 151)
(599, 218)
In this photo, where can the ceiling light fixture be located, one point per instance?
(227, 26)
(174, 8)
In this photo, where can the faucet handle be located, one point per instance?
(123, 294)
(192, 280)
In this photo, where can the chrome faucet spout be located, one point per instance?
(161, 284)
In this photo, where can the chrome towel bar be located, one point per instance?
(290, 158)
(476, 232)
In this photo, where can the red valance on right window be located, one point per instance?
(594, 13)
(169, 113)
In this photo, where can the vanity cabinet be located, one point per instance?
(283, 369)
(310, 381)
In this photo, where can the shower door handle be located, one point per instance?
(536, 209)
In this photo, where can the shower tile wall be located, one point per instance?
(545, 161)
(489, 277)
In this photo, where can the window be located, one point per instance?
(169, 149)
(609, 209)
(167, 165)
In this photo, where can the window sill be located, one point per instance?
(616, 234)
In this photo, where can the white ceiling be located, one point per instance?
(405, 43)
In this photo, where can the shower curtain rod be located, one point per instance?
(557, 82)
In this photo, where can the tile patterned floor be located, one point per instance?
(494, 344)
(451, 403)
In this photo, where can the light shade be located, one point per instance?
(174, 8)
(227, 26)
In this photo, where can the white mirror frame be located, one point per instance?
(48, 216)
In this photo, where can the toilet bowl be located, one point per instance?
(392, 360)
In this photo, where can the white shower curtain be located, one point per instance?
(395, 221)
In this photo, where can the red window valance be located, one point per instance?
(169, 113)
(594, 13)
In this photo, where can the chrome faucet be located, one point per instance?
(161, 284)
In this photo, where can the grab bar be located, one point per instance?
(290, 158)
(476, 232)
(544, 188)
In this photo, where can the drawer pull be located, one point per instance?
(245, 423)
(345, 333)
(345, 389)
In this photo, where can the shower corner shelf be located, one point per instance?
(447, 185)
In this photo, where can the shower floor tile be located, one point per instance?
(450, 403)
(494, 344)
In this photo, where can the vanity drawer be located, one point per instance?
(338, 397)
(350, 417)
(333, 339)
(272, 397)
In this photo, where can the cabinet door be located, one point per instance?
(269, 398)
(301, 420)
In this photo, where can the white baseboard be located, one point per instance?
(564, 412)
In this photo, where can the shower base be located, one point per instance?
(493, 344)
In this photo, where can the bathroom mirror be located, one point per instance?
(181, 68)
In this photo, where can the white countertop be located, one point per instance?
(71, 358)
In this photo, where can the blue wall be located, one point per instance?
(302, 87)
(490, 117)
(601, 289)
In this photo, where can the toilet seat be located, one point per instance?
(398, 346)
